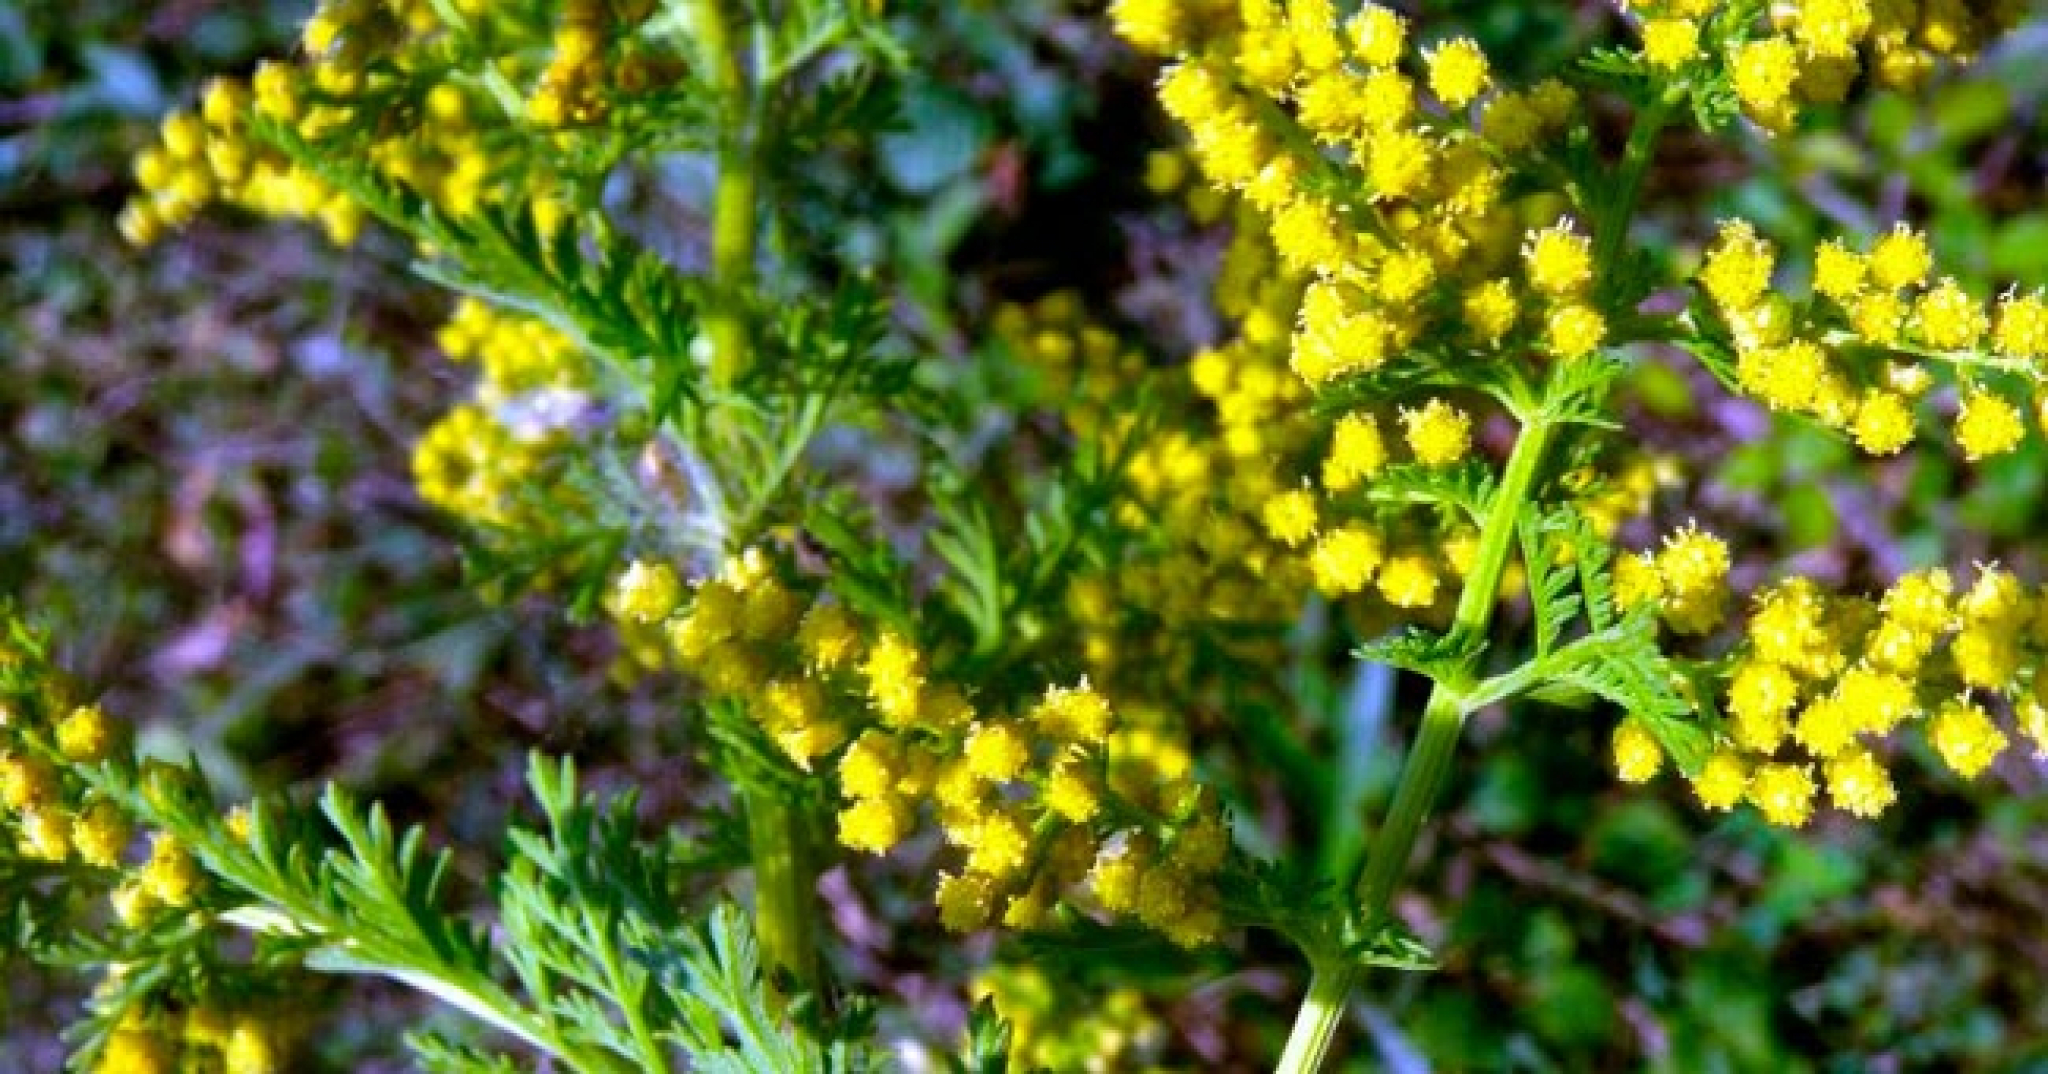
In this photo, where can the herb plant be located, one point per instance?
(1062, 656)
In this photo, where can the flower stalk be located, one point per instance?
(734, 199)
(785, 882)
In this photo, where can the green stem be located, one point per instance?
(734, 202)
(1620, 207)
(785, 881)
(1315, 1024)
(1443, 717)
(1422, 776)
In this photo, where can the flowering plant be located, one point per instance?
(1061, 664)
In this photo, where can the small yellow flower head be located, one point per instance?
(1377, 35)
(1996, 598)
(1764, 71)
(1832, 28)
(1193, 93)
(1510, 121)
(1920, 601)
(1457, 71)
(1987, 656)
(1116, 877)
(1884, 422)
(1385, 100)
(2022, 328)
(137, 1050)
(871, 766)
(1790, 626)
(1076, 714)
(997, 751)
(100, 834)
(1313, 24)
(1154, 26)
(1722, 781)
(85, 735)
(1760, 696)
(1559, 261)
(1636, 753)
(1400, 164)
(1403, 277)
(1826, 727)
(1858, 784)
(828, 636)
(1438, 434)
(1693, 562)
(1409, 580)
(45, 834)
(875, 825)
(1163, 895)
(1636, 581)
(895, 674)
(1737, 270)
(1966, 738)
(1878, 317)
(1344, 561)
(1949, 319)
(1784, 793)
(966, 902)
(1001, 845)
(1877, 700)
(1290, 516)
(1988, 425)
(1357, 452)
(1839, 272)
(1900, 259)
(252, 1048)
(1491, 311)
(171, 876)
(648, 592)
(1072, 792)
(1670, 44)
(1574, 331)
(26, 782)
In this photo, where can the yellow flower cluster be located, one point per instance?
(1812, 50)
(1055, 1028)
(208, 155)
(1289, 106)
(1039, 801)
(1819, 681)
(490, 460)
(471, 465)
(1088, 371)
(1846, 358)
(1687, 579)
(200, 1037)
(394, 84)
(581, 80)
(517, 353)
(50, 812)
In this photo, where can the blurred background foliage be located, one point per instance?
(204, 485)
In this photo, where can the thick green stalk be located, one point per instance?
(1422, 777)
(785, 882)
(734, 199)
(1315, 1024)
